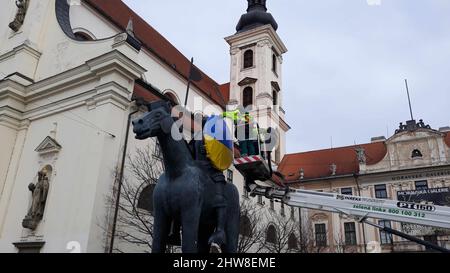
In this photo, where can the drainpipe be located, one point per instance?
(363, 229)
(119, 188)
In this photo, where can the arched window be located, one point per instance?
(145, 201)
(292, 242)
(245, 226)
(82, 36)
(275, 97)
(247, 97)
(248, 58)
(274, 63)
(271, 235)
(416, 154)
(172, 97)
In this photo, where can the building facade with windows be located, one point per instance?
(414, 162)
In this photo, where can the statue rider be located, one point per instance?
(200, 155)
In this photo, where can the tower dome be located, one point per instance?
(256, 16)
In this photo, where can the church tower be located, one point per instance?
(256, 70)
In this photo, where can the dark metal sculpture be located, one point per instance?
(185, 193)
(22, 6)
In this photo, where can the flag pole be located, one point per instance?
(409, 99)
(189, 82)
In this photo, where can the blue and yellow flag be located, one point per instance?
(218, 143)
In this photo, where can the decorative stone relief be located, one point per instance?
(22, 7)
(39, 193)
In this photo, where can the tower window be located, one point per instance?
(274, 63)
(417, 154)
(275, 97)
(247, 97)
(248, 58)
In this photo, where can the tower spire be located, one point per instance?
(256, 4)
(256, 16)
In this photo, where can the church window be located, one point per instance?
(82, 36)
(245, 227)
(271, 235)
(248, 97)
(248, 58)
(145, 201)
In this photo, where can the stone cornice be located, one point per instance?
(104, 79)
(267, 29)
(25, 47)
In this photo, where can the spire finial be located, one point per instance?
(130, 27)
(255, 4)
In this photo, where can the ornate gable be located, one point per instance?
(48, 145)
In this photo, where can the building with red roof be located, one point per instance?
(415, 158)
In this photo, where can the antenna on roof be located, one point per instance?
(409, 99)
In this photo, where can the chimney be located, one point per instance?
(378, 139)
(333, 169)
(302, 173)
(444, 129)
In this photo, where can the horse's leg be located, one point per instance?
(190, 219)
(204, 233)
(161, 229)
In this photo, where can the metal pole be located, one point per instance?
(363, 228)
(189, 82)
(122, 168)
(408, 237)
(409, 99)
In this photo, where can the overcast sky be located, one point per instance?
(343, 77)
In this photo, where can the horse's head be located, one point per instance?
(158, 120)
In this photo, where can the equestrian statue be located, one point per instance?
(191, 195)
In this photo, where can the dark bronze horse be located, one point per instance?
(184, 193)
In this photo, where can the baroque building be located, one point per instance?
(414, 162)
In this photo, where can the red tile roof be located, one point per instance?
(316, 164)
(119, 14)
(447, 139)
(225, 91)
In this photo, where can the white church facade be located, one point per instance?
(71, 73)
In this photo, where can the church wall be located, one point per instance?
(83, 167)
(8, 137)
(83, 18)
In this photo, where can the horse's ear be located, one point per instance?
(166, 125)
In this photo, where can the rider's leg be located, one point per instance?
(252, 147)
(220, 205)
(243, 148)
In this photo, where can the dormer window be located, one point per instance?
(83, 36)
(416, 154)
(248, 59)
